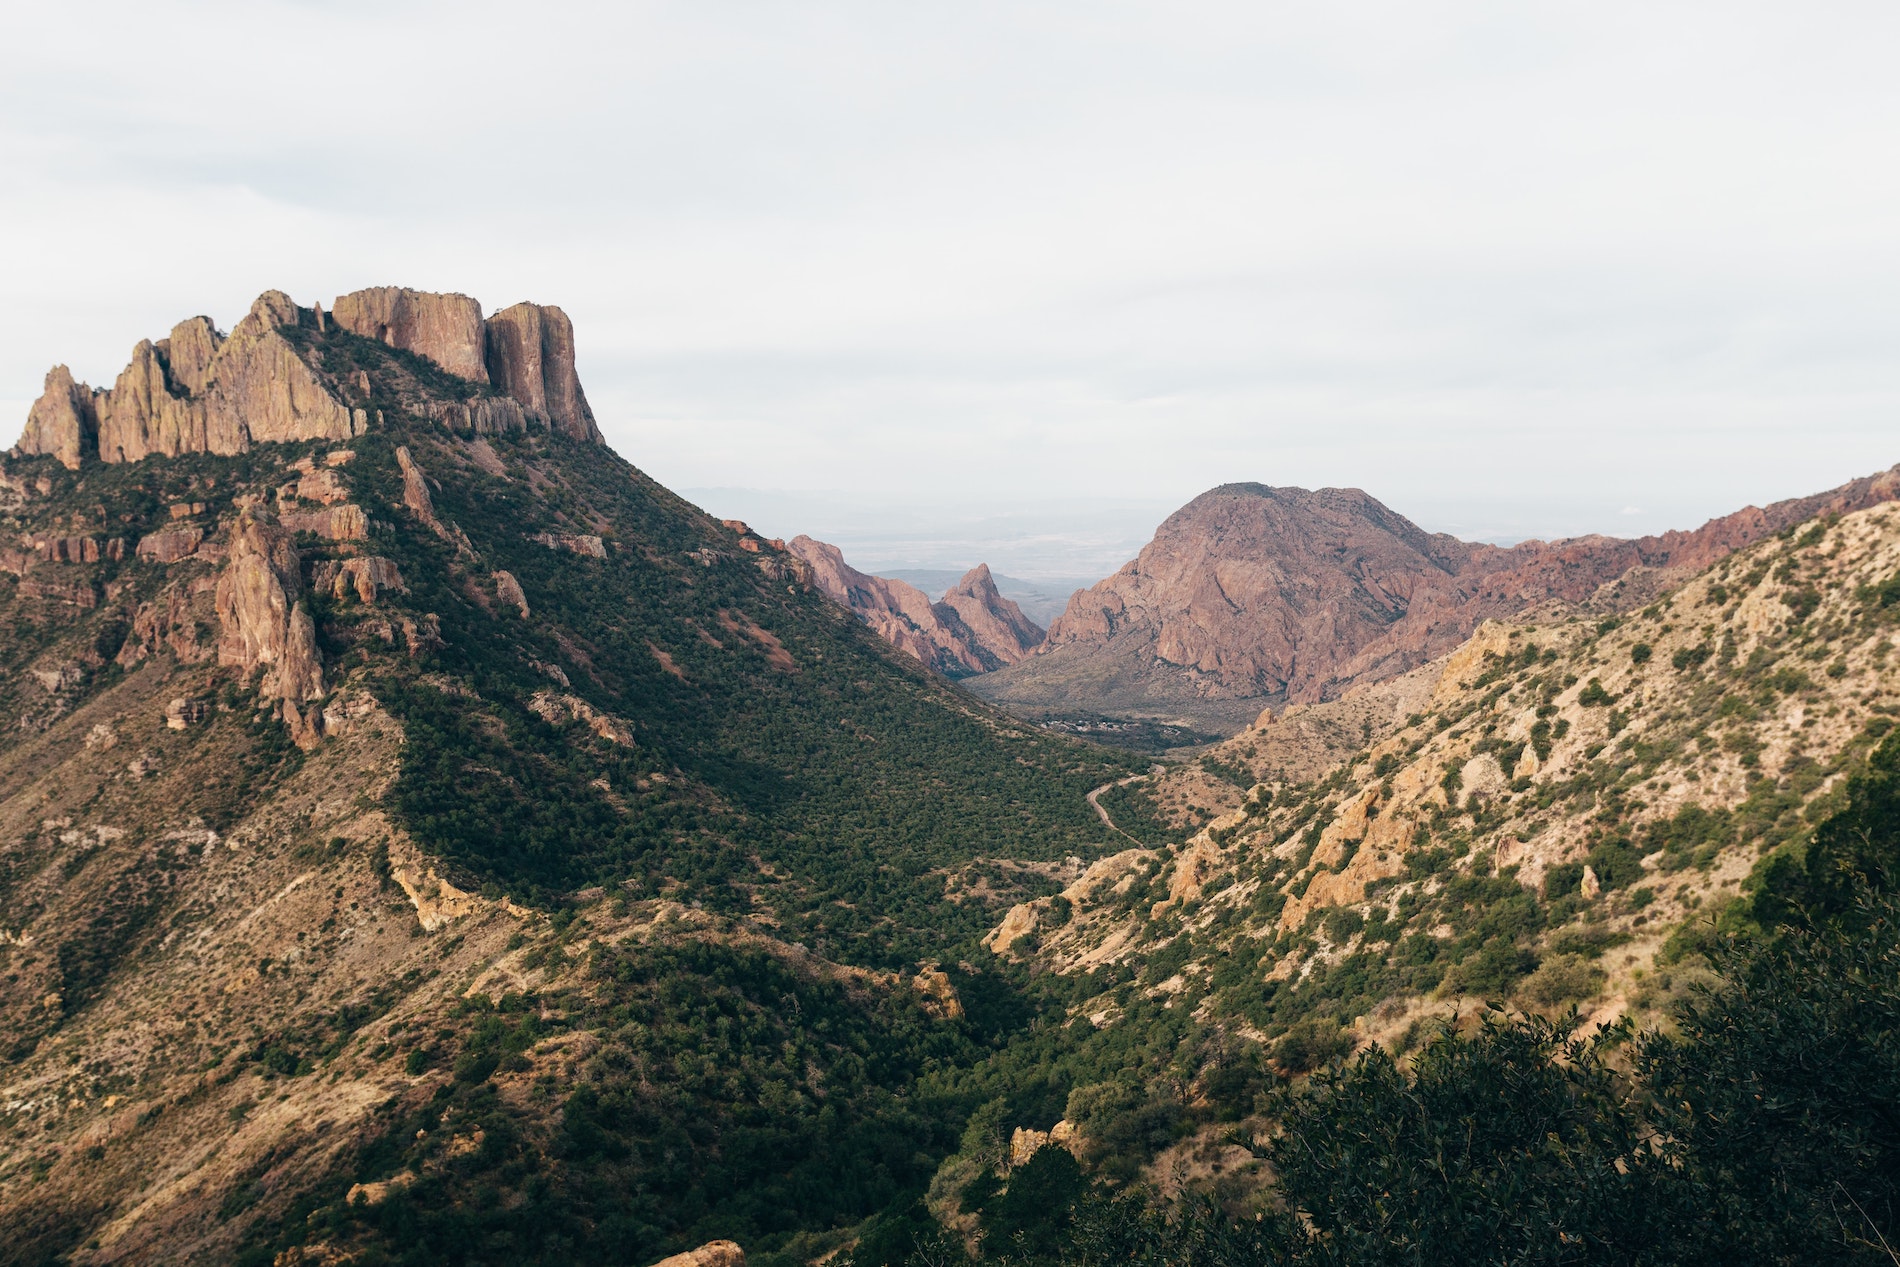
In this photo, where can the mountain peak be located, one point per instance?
(199, 391)
(1253, 595)
(974, 629)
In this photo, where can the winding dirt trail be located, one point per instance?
(1102, 814)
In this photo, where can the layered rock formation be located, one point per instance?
(197, 391)
(1252, 597)
(447, 329)
(974, 629)
(527, 351)
(193, 392)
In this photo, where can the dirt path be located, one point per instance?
(1102, 814)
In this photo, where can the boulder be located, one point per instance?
(446, 329)
(508, 590)
(530, 353)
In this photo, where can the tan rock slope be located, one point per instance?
(974, 629)
(1546, 819)
(1251, 596)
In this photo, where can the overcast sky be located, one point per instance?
(1515, 269)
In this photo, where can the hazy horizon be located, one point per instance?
(1514, 271)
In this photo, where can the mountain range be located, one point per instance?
(424, 838)
(1252, 597)
(403, 799)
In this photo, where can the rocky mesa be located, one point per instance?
(200, 391)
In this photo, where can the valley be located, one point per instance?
(425, 838)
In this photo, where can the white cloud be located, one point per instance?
(1513, 269)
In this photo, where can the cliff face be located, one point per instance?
(996, 625)
(197, 391)
(527, 351)
(193, 392)
(1252, 597)
(447, 329)
(973, 630)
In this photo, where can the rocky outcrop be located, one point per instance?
(365, 577)
(261, 390)
(62, 422)
(263, 622)
(574, 543)
(974, 630)
(332, 523)
(169, 545)
(711, 1254)
(557, 710)
(1252, 596)
(197, 391)
(446, 329)
(530, 355)
(508, 590)
(415, 491)
(193, 392)
(997, 626)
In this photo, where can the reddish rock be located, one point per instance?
(530, 354)
(170, 545)
(447, 329)
(995, 632)
(1252, 596)
(711, 1254)
(262, 621)
(508, 590)
(62, 422)
(996, 623)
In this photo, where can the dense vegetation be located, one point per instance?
(783, 759)
(681, 719)
(1762, 1131)
(708, 1091)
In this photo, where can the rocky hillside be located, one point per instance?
(1556, 813)
(972, 629)
(423, 836)
(1252, 597)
